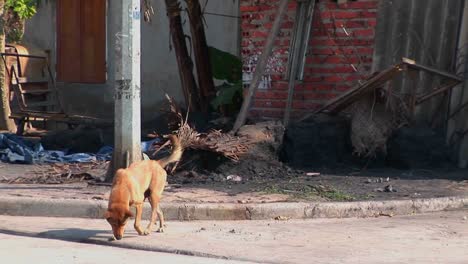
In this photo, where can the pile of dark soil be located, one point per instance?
(325, 143)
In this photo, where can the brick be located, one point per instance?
(305, 105)
(271, 95)
(249, 8)
(269, 104)
(364, 33)
(359, 5)
(342, 88)
(259, 34)
(335, 69)
(346, 14)
(372, 23)
(323, 51)
(279, 85)
(333, 79)
(369, 14)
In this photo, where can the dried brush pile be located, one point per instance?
(227, 145)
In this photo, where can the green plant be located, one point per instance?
(228, 68)
(24, 8)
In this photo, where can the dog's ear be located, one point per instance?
(107, 214)
(129, 214)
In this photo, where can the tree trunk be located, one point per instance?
(5, 122)
(200, 48)
(184, 61)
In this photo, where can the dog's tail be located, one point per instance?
(176, 154)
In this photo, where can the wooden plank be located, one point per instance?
(25, 80)
(68, 41)
(346, 99)
(37, 91)
(40, 104)
(412, 64)
(93, 41)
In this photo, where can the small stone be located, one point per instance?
(202, 229)
(388, 179)
(389, 188)
(464, 218)
(282, 218)
(234, 178)
(313, 174)
(242, 201)
(379, 190)
(233, 231)
(368, 181)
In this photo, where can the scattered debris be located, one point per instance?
(282, 218)
(389, 188)
(385, 214)
(234, 178)
(379, 180)
(201, 229)
(61, 173)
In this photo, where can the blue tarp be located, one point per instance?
(14, 149)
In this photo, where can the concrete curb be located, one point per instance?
(190, 211)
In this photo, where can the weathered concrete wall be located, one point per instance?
(159, 67)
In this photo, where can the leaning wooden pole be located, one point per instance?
(261, 65)
(202, 56)
(184, 61)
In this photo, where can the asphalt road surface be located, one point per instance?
(430, 238)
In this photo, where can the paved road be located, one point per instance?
(27, 250)
(431, 238)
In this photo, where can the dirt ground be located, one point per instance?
(260, 177)
(254, 182)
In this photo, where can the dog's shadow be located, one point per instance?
(69, 234)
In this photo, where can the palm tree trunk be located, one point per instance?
(200, 48)
(184, 61)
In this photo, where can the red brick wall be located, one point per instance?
(337, 58)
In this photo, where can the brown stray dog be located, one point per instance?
(143, 179)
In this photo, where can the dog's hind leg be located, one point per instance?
(156, 210)
(154, 205)
(162, 225)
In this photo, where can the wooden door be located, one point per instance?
(81, 41)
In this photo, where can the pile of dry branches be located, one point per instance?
(230, 146)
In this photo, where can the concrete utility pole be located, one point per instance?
(127, 87)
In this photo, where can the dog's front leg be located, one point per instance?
(139, 213)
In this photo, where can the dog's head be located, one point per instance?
(117, 218)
